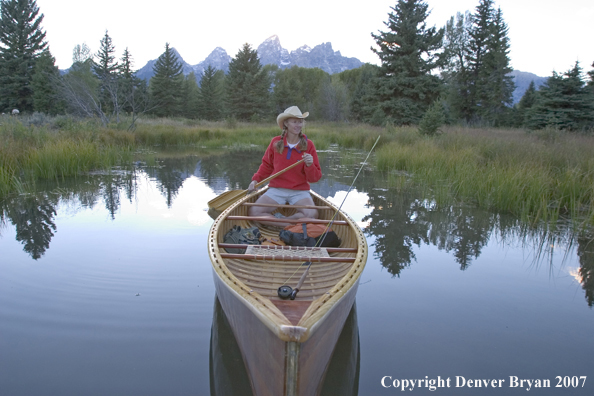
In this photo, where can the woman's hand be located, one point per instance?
(252, 186)
(308, 159)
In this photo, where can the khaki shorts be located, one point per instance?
(284, 195)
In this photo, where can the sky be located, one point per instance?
(545, 35)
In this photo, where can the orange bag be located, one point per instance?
(313, 230)
(315, 235)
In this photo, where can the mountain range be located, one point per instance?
(321, 56)
(269, 52)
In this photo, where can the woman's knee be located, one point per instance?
(312, 213)
(262, 210)
(252, 211)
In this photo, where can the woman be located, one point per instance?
(291, 187)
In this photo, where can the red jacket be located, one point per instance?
(297, 178)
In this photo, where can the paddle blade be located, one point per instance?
(226, 199)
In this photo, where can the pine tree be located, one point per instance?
(211, 98)
(43, 83)
(105, 66)
(523, 107)
(563, 103)
(166, 84)
(456, 73)
(406, 86)
(496, 83)
(362, 90)
(126, 64)
(107, 70)
(433, 119)
(127, 80)
(479, 33)
(190, 93)
(247, 86)
(477, 72)
(134, 91)
(22, 40)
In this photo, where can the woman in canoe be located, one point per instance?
(291, 187)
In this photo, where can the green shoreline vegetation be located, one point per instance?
(539, 175)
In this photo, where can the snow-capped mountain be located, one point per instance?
(269, 52)
(321, 56)
(218, 59)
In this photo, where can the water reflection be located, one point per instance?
(397, 220)
(585, 252)
(33, 218)
(228, 376)
(401, 220)
(33, 215)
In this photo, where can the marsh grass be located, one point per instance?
(66, 158)
(532, 175)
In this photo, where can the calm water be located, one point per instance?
(106, 289)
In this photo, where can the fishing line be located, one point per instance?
(285, 291)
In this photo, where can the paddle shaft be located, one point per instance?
(227, 198)
(280, 172)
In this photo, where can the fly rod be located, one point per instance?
(286, 291)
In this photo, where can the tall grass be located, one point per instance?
(65, 158)
(506, 170)
(62, 149)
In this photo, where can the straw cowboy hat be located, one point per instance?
(291, 112)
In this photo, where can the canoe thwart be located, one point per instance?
(285, 206)
(263, 257)
(277, 220)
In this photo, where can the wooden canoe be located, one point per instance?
(286, 345)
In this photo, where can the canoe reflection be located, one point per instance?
(228, 375)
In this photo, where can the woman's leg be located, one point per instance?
(263, 210)
(305, 213)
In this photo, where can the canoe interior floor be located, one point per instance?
(292, 309)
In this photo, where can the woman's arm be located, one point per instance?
(313, 173)
(267, 166)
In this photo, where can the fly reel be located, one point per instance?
(285, 292)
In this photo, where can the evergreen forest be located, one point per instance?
(458, 74)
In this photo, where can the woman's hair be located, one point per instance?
(280, 146)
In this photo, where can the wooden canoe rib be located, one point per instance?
(286, 345)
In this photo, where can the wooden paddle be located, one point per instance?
(228, 198)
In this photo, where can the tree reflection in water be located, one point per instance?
(33, 215)
(585, 253)
(33, 218)
(401, 220)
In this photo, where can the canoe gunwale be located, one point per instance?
(263, 307)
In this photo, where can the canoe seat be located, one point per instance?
(293, 251)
